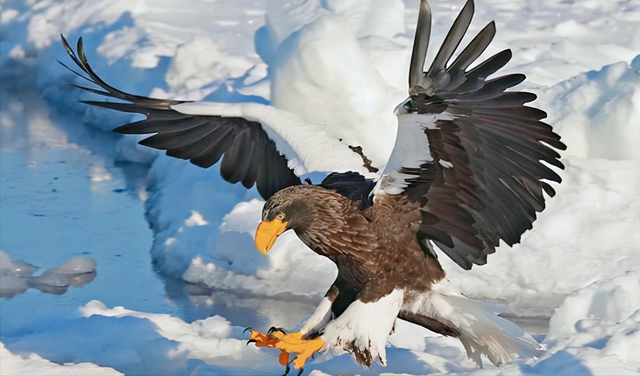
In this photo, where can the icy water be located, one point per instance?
(62, 198)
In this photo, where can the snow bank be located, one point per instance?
(34, 365)
(311, 79)
(600, 326)
(598, 112)
(203, 339)
(186, 73)
(596, 306)
(153, 31)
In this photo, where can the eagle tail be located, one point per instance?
(445, 310)
(483, 332)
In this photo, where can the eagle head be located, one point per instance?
(302, 208)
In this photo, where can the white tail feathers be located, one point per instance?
(483, 332)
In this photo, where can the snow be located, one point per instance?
(598, 325)
(606, 105)
(573, 282)
(309, 66)
(596, 306)
(34, 365)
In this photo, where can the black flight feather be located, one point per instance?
(484, 183)
(248, 155)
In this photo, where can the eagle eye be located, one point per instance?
(280, 217)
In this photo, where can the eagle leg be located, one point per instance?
(305, 348)
(271, 339)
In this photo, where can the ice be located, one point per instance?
(55, 281)
(15, 268)
(572, 282)
(209, 337)
(77, 265)
(17, 276)
(34, 365)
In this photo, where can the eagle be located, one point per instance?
(470, 167)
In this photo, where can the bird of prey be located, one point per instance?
(466, 172)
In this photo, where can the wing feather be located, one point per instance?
(482, 180)
(249, 155)
(452, 40)
(474, 49)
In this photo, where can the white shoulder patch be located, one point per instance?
(410, 151)
(363, 329)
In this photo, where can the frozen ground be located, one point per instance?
(69, 189)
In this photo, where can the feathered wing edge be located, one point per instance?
(478, 173)
(248, 155)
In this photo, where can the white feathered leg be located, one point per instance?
(319, 318)
(363, 328)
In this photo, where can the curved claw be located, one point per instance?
(287, 368)
(247, 328)
(265, 340)
(274, 329)
(300, 372)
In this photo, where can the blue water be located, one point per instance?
(51, 210)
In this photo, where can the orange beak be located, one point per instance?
(267, 233)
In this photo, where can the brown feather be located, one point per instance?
(376, 245)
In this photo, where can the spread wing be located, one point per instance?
(253, 140)
(470, 152)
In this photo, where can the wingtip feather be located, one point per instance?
(420, 45)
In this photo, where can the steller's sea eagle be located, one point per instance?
(465, 173)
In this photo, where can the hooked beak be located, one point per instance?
(267, 233)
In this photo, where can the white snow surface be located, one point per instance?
(573, 282)
(33, 364)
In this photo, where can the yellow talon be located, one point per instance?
(288, 343)
(293, 343)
